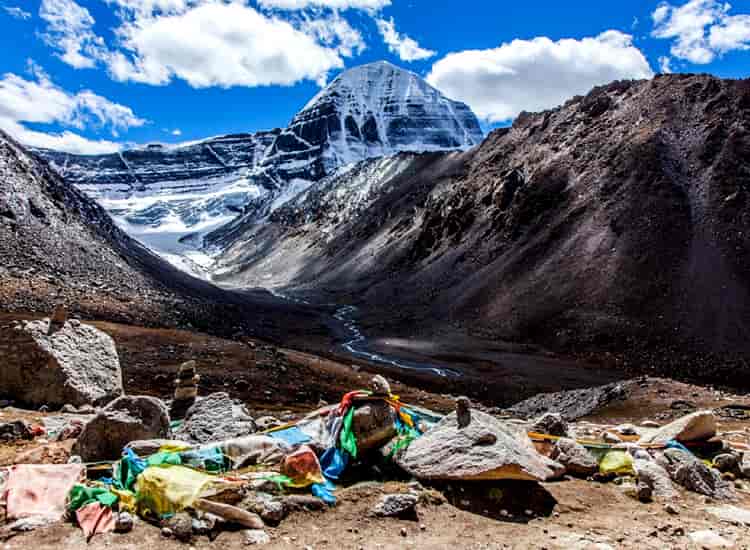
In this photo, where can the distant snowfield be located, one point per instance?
(173, 224)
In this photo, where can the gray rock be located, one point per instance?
(576, 459)
(486, 449)
(671, 509)
(181, 525)
(128, 418)
(204, 524)
(24, 525)
(627, 429)
(18, 429)
(726, 462)
(463, 411)
(255, 537)
(551, 424)
(708, 540)
(397, 506)
(295, 503)
(688, 471)
(77, 364)
(380, 386)
(653, 475)
(572, 404)
(373, 424)
(215, 418)
(697, 426)
(644, 492)
(124, 522)
(731, 514)
(745, 465)
(268, 507)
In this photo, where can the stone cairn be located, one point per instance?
(463, 412)
(186, 390)
(58, 319)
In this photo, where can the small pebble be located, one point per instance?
(404, 532)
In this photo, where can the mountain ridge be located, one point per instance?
(611, 226)
(170, 197)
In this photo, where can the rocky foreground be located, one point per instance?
(647, 463)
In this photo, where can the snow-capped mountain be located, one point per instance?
(170, 197)
(377, 110)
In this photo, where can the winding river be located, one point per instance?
(357, 343)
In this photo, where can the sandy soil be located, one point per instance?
(585, 514)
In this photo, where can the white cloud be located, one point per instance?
(66, 141)
(373, 5)
(406, 48)
(334, 31)
(16, 12)
(701, 30)
(176, 132)
(665, 64)
(532, 75)
(40, 101)
(218, 44)
(69, 31)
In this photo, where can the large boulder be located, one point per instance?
(215, 418)
(687, 470)
(576, 459)
(698, 426)
(656, 477)
(402, 505)
(550, 424)
(54, 365)
(128, 418)
(572, 404)
(485, 449)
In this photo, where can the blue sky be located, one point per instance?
(95, 75)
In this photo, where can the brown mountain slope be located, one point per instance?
(618, 223)
(58, 246)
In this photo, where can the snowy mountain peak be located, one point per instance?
(379, 109)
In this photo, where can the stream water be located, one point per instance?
(357, 343)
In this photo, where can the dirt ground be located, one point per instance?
(586, 515)
(569, 514)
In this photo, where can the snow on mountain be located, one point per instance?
(378, 110)
(171, 197)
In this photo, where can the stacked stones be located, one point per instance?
(186, 390)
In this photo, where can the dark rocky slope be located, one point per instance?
(59, 246)
(616, 225)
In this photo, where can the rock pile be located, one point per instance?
(186, 390)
